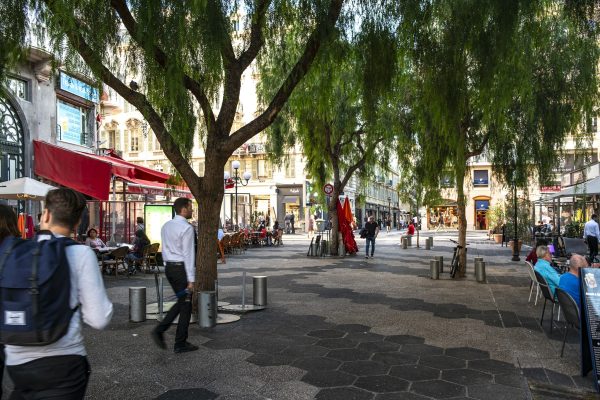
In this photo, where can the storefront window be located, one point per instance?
(72, 123)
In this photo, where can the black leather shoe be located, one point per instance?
(159, 339)
(185, 348)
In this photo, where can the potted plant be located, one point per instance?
(496, 217)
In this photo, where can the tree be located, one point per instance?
(508, 78)
(344, 125)
(188, 59)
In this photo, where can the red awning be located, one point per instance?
(91, 174)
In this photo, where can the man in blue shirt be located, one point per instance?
(543, 267)
(569, 282)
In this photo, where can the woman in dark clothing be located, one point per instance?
(137, 253)
(8, 227)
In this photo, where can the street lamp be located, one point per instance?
(389, 211)
(515, 256)
(236, 180)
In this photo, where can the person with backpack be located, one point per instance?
(53, 284)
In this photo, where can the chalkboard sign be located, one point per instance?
(590, 322)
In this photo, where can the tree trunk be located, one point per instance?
(209, 207)
(335, 220)
(462, 218)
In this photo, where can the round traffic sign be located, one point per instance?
(328, 188)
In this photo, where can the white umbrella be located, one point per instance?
(24, 189)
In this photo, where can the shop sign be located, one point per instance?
(78, 88)
(550, 189)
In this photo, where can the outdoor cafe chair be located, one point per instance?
(543, 284)
(226, 243)
(152, 258)
(571, 311)
(234, 243)
(117, 259)
(534, 282)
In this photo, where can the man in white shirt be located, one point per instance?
(60, 370)
(177, 236)
(591, 233)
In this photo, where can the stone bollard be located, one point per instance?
(207, 309)
(431, 241)
(434, 267)
(404, 243)
(137, 304)
(259, 290)
(441, 260)
(480, 272)
(427, 244)
(409, 238)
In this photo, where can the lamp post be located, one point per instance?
(237, 180)
(389, 210)
(515, 256)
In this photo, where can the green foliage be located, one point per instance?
(574, 229)
(496, 216)
(524, 215)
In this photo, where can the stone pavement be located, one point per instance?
(350, 328)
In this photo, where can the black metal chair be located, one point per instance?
(547, 296)
(570, 309)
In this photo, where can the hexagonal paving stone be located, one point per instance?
(344, 393)
(304, 351)
(184, 394)
(382, 383)
(395, 358)
(326, 334)
(442, 362)
(365, 368)
(365, 337)
(379, 347)
(496, 392)
(349, 354)
(438, 389)
(316, 363)
(415, 372)
(421, 349)
(265, 360)
(400, 396)
(466, 376)
(337, 343)
(467, 353)
(353, 328)
(492, 366)
(328, 378)
(515, 380)
(405, 339)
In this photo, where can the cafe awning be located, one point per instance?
(91, 174)
(588, 188)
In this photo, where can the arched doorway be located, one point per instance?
(12, 141)
(482, 205)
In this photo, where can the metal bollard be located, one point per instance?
(475, 261)
(260, 290)
(480, 272)
(207, 309)
(427, 244)
(312, 250)
(137, 304)
(409, 238)
(434, 267)
(441, 260)
(404, 243)
(430, 241)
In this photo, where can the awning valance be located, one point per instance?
(91, 174)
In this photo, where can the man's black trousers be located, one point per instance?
(59, 377)
(178, 279)
(592, 242)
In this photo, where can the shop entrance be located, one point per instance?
(443, 216)
(482, 206)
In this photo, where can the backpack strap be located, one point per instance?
(35, 293)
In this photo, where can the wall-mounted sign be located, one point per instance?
(78, 88)
(70, 122)
(550, 189)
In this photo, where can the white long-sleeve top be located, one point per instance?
(177, 237)
(591, 229)
(87, 290)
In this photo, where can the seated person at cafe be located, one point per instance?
(411, 229)
(544, 268)
(93, 240)
(532, 256)
(569, 282)
(137, 252)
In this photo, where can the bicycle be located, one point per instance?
(455, 257)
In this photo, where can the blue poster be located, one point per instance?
(69, 121)
(78, 88)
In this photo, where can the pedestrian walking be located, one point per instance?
(292, 218)
(58, 368)
(591, 233)
(177, 236)
(388, 224)
(372, 230)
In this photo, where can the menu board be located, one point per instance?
(155, 216)
(590, 322)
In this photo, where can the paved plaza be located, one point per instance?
(350, 328)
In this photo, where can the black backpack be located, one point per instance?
(35, 291)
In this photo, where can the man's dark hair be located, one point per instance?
(180, 203)
(594, 216)
(65, 206)
(140, 220)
